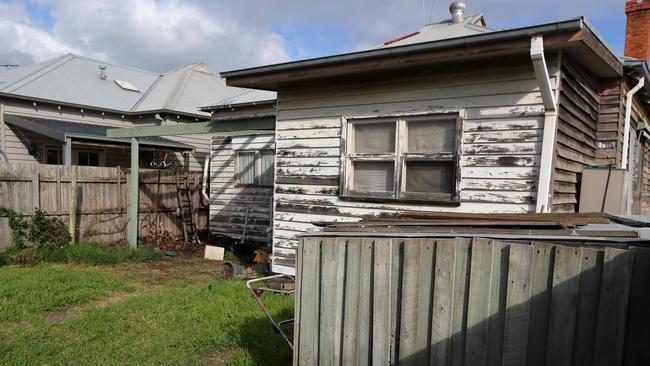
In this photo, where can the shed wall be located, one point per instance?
(501, 143)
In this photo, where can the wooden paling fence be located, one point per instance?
(102, 199)
(461, 301)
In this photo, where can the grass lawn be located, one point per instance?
(173, 312)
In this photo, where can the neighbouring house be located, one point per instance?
(457, 117)
(58, 111)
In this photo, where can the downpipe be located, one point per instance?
(628, 117)
(550, 124)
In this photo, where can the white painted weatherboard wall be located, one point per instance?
(501, 145)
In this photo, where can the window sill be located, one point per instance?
(436, 202)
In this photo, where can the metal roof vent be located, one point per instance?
(127, 85)
(102, 72)
(457, 10)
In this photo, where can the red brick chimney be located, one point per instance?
(637, 32)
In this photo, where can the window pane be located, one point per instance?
(266, 175)
(246, 166)
(54, 156)
(428, 176)
(374, 138)
(93, 159)
(431, 136)
(373, 176)
(83, 158)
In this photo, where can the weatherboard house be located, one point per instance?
(58, 112)
(456, 117)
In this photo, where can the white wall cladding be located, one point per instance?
(501, 144)
(229, 203)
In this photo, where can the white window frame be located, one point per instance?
(258, 168)
(400, 158)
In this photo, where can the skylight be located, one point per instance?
(127, 86)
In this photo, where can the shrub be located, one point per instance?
(48, 231)
(18, 226)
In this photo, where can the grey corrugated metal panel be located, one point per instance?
(77, 81)
(11, 76)
(189, 89)
(543, 29)
(564, 238)
(471, 25)
(74, 81)
(59, 130)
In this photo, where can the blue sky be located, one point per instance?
(164, 34)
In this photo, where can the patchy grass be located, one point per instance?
(91, 254)
(178, 313)
(28, 292)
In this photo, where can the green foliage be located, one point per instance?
(41, 230)
(18, 226)
(48, 231)
(230, 256)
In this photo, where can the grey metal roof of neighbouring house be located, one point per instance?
(60, 130)
(75, 80)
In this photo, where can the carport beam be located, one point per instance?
(67, 152)
(135, 189)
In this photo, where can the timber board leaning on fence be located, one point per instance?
(433, 301)
(102, 199)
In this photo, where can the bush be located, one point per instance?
(18, 226)
(48, 231)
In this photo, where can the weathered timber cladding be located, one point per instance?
(500, 143)
(102, 199)
(577, 134)
(610, 122)
(230, 204)
(446, 301)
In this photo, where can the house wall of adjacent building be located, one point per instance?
(577, 135)
(235, 209)
(17, 141)
(500, 148)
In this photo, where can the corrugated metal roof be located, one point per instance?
(471, 25)
(73, 79)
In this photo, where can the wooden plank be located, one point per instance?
(443, 301)
(518, 301)
(396, 267)
(541, 285)
(298, 303)
(331, 300)
(591, 262)
(365, 303)
(310, 302)
(563, 306)
(416, 304)
(381, 321)
(612, 311)
(637, 332)
(352, 312)
(460, 300)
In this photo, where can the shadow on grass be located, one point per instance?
(262, 343)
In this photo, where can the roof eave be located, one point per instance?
(557, 27)
(219, 107)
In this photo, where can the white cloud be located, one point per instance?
(161, 35)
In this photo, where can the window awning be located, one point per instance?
(61, 130)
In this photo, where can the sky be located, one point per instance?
(162, 35)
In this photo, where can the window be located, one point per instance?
(88, 158)
(412, 158)
(255, 167)
(53, 155)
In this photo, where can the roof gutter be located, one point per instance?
(218, 107)
(551, 28)
(544, 188)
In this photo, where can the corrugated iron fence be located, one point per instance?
(101, 201)
(462, 301)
